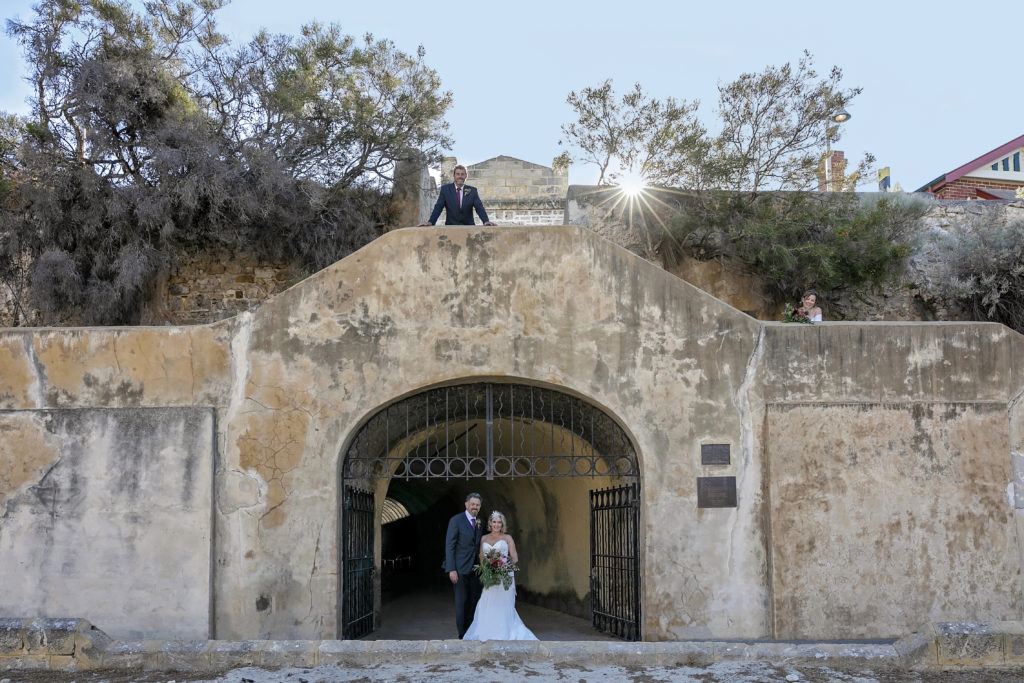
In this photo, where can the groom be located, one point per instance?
(458, 201)
(460, 549)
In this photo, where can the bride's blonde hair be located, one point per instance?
(498, 515)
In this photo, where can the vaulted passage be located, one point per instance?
(540, 456)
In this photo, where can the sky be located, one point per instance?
(942, 80)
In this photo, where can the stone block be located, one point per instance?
(11, 636)
(918, 650)
(58, 635)
(612, 653)
(124, 655)
(1012, 633)
(342, 652)
(692, 653)
(453, 650)
(397, 651)
(968, 644)
(290, 653)
(187, 655)
(64, 663)
(511, 650)
(233, 653)
(24, 662)
(729, 650)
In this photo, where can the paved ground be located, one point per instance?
(429, 614)
(499, 672)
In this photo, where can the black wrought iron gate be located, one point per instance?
(492, 430)
(615, 561)
(357, 600)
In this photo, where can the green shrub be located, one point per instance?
(800, 240)
(983, 270)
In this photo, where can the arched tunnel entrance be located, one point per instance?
(563, 472)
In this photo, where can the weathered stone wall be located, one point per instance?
(221, 283)
(819, 419)
(104, 511)
(505, 178)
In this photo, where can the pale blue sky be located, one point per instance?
(942, 81)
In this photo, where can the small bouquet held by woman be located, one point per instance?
(495, 568)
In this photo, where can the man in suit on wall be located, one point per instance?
(458, 201)
(461, 544)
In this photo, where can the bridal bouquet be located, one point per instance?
(794, 315)
(494, 568)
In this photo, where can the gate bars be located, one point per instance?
(615, 561)
(357, 534)
(490, 430)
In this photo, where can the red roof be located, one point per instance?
(973, 165)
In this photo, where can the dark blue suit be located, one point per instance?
(461, 545)
(456, 215)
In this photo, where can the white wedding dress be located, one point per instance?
(495, 617)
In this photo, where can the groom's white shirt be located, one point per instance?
(469, 517)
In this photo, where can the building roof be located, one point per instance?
(503, 159)
(972, 165)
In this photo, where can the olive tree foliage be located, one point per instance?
(774, 129)
(634, 135)
(151, 136)
(332, 109)
(777, 125)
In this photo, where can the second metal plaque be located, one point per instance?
(714, 454)
(716, 492)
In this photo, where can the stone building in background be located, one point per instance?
(516, 192)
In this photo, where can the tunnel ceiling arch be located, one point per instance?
(490, 429)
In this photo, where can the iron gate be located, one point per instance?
(499, 430)
(357, 599)
(615, 561)
(490, 430)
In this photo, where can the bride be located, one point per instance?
(496, 617)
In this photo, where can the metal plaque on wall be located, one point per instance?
(716, 492)
(714, 454)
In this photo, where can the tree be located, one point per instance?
(332, 110)
(778, 123)
(150, 136)
(637, 135)
(775, 127)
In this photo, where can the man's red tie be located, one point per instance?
(458, 193)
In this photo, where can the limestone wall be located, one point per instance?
(870, 459)
(221, 283)
(107, 512)
(503, 178)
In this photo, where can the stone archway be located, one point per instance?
(529, 442)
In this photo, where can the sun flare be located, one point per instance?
(632, 185)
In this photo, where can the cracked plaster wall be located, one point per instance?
(102, 513)
(290, 383)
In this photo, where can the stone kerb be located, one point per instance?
(28, 644)
(76, 645)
